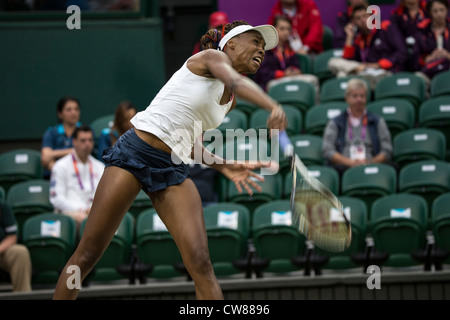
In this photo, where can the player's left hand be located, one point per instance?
(243, 177)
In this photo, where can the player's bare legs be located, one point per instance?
(180, 208)
(115, 193)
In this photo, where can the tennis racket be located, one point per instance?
(319, 214)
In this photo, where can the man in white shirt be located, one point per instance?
(74, 178)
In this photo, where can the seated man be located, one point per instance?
(371, 53)
(357, 136)
(343, 18)
(14, 258)
(74, 178)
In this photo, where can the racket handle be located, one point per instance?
(286, 145)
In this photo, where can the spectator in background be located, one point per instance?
(75, 177)
(216, 19)
(123, 114)
(343, 18)
(371, 53)
(433, 43)
(14, 258)
(307, 28)
(282, 63)
(406, 18)
(357, 136)
(57, 140)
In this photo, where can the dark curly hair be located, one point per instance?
(212, 38)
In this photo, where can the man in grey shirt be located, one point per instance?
(356, 136)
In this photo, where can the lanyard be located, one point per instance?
(363, 130)
(280, 57)
(364, 45)
(91, 173)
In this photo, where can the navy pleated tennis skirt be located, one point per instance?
(154, 168)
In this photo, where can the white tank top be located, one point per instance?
(183, 109)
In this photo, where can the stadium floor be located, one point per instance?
(404, 284)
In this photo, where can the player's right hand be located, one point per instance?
(277, 119)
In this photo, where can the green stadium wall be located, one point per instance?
(103, 63)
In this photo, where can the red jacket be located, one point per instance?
(306, 22)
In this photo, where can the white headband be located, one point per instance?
(268, 32)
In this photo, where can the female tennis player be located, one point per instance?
(148, 156)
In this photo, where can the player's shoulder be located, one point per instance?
(202, 62)
(208, 54)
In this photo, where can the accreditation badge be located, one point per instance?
(358, 152)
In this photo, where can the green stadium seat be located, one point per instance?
(19, 165)
(399, 114)
(297, 93)
(258, 120)
(2, 194)
(276, 238)
(309, 148)
(28, 198)
(101, 123)
(440, 84)
(334, 89)
(228, 230)
(271, 190)
(369, 182)
(398, 227)
(327, 175)
(306, 63)
(247, 148)
(321, 69)
(328, 38)
(141, 203)
(50, 239)
(356, 210)
(435, 113)
(440, 215)
(318, 116)
(403, 85)
(115, 263)
(418, 144)
(235, 119)
(427, 178)
(247, 107)
(155, 248)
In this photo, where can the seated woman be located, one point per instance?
(405, 18)
(124, 112)
(433, 45)
(282, 63)
(57, 140)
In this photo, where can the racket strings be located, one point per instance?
(314, 214)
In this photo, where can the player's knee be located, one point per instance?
(201, 263)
